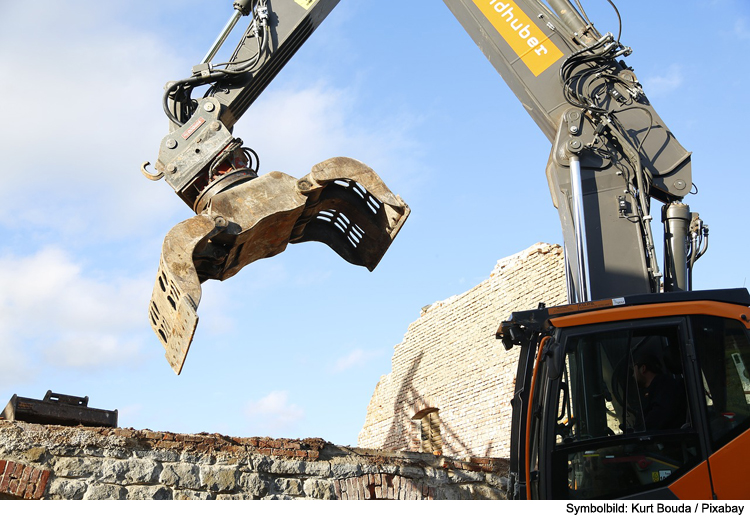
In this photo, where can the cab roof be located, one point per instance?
(539, 319)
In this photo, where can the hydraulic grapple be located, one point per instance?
(241, 216)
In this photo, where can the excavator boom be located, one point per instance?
(611, 152)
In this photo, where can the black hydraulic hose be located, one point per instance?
(178, 86)
(619, 18)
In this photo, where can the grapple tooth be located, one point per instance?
(177, 290)
(342, 203)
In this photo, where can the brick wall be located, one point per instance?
(58, 462)
(450, 360)
(22, 481)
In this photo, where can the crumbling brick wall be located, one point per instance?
(58, 462)
(451, 362)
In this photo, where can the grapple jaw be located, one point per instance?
(342, 203)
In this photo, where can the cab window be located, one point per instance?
(622, 418)
(723, 350)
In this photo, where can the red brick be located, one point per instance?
(127, 433)
(13, 488)
(316, 443)
(29, 493)
(25, 478)
(337, 488)
(2, 467)
(406, 487)
(313, 454)
(41, 484)
(18, 470)
(7, 476)
(368, 488)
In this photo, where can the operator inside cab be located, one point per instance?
(663, 401)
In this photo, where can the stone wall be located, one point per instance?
(451, 362)
(57, 462)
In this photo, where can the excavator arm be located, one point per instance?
(611, 152)
(240, 216)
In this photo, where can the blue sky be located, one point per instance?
(293, 346)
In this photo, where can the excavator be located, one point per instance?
(639, 387)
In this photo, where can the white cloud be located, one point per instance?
(83, 93)
(14, 366)
(50, 309)
(355, 359)
(659, 85)
(302, 126)
(273, 414)
(91, 348)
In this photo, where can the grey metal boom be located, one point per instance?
(590, 105)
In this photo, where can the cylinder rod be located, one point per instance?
(583, 292)
(222, 36)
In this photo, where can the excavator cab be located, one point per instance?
(642, 397)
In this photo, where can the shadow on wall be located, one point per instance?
(405, 414)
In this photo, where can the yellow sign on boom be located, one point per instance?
(533, 47)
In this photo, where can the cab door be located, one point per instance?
(610, 433)
(722, 347)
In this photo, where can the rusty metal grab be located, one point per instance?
(342, 203)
